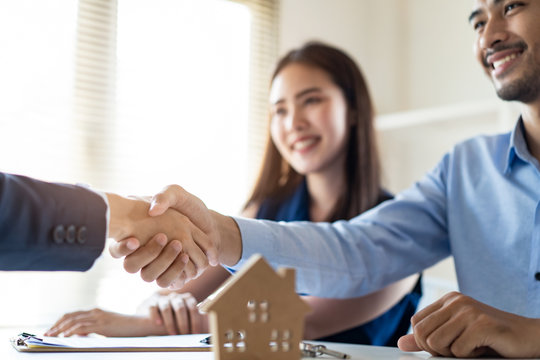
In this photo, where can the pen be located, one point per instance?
(28, 335)
(207, 340)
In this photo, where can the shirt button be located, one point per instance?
(59, 233)
(70, 234)
(537, 276)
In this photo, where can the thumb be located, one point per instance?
(407, 343)
(160, 203)
(172, 196)
(119, 249)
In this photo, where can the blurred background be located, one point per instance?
(131, 95)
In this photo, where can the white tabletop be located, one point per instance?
(360, 352)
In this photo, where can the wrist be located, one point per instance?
(119, 225)
(536, 331)
(229, 242)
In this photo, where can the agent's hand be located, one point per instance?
(459, 326)
(178, 313)
(130, 220)
(224, 242)
(221, 230)
(175, 197)
(106, 323)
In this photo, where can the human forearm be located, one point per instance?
(229, 245)
(105, 323)
(49, 226)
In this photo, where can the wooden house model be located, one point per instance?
(257, 314)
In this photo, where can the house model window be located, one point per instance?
(257, 314)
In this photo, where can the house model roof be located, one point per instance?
(257, 279)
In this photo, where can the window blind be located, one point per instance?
(59, 121)
(264, 45)
(95, 86)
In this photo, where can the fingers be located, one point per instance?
(81, 328)
(167, 316)
(425, 322)
(146, 254)
(186, 313)
(196, 319)
(169, 197)
(178, 283)
(467, 343)
(155, 315)
(181, 313)
(425, 333)
(174, 196)
(439, 331)
(196, 254)
(56, 329)
(164, 263)
(124, 247)
(441, 327)
(76, 323)
(178, 313)
(158, 263)
(167, 277)
(408, 343)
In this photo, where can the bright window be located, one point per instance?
(128, 95)
(182, 98)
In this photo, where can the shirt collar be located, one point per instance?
(517, 148)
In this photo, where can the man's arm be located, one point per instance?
(47, 226)
(344, 259)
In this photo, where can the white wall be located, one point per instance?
(417, 57)
(414, 53)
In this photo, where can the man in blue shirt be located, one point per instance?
(480, 204)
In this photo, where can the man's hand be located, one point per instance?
(150, 253)
(203, 235)
(175, 197)
(222, 230)
(457, 325)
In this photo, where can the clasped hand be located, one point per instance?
(460, 326)
(166, 245)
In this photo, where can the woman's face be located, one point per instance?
(308, 119)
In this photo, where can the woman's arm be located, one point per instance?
(105, 323)
(331, 316)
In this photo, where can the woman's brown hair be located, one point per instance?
(277, 179)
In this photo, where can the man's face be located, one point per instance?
(508, 46)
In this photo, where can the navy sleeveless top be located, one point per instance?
(382, 331)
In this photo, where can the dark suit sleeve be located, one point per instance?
(47, 226)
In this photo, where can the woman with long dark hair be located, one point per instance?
(321, 164)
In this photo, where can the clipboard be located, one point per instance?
(26, 342)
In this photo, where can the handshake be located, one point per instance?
(172, 237)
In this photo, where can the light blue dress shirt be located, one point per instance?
(479, 204)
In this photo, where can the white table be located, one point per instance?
(358, 352)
